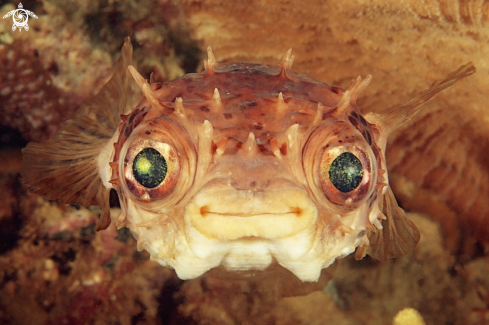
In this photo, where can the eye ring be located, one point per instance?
(151, 169)
(345, 174)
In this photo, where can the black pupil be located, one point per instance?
(149, 168)
(346, 172)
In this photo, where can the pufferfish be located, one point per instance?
(241, 166)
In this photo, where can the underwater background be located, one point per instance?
(54, 267)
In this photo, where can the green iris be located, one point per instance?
(149, 168)
(346, 172)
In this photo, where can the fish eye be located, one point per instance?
(346, 172)
(340, 165)
(149, 168)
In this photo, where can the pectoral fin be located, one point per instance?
(65, 167)
(399, 235)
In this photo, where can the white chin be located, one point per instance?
(213, 235)
(301, 254)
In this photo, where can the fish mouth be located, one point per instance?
(204, 211)
(234, 214)
(245, 230)
(226, 226)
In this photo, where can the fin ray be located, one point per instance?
(399, 115)
(65, 167)
(399, 235)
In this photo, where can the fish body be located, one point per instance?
(242, 166)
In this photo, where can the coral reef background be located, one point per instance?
(55, 269)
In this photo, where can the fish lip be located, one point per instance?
(228, 227)
(229, 214)
(297, 211)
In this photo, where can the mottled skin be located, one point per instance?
(248, 150)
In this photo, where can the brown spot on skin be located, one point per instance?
(213, 147)
(337, 90)
(283, 149)
(264, 150)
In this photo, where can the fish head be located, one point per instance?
(241, 166)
